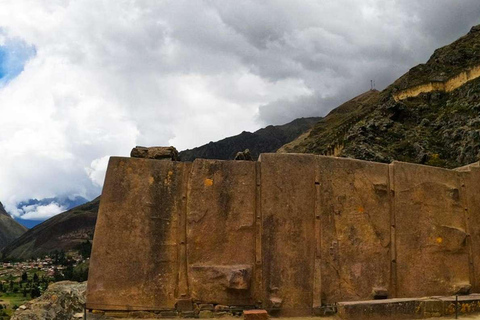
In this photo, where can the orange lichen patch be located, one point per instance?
(361, 209)
(439, 240)
(466, 308)
(168, 179)
(208, 182)
(151, 180)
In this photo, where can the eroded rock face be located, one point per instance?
(61, 301)
(158, 153)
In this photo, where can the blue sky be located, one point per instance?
(13, 56)
(3, 57)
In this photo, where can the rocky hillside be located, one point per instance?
(61, 301)
(440, 128)
(265, 140)
(62, 232)
(9, 228)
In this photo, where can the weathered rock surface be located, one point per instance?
(61, 301)
(158, 153)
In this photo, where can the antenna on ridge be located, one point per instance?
(371, 84)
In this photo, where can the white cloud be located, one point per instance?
(108, 75)
(97, 169)
(39, 212)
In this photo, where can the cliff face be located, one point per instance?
(9, 228)
(440, 127)
(265, 140)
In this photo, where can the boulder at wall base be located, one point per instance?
(61, 301)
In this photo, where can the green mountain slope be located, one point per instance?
(438, 128)
(265, 140)
(61, 232)
(9, 228)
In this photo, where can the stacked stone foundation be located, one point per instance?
(293, 234)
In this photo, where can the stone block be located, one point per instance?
(184, 305)
(276, 303)
(381, 309)
(168, 314)
(205, 314)
(433, 308)
(354, 210)
(462, 288)
(142, 315)
(429, 206)
(471, 186)
(157, 153)
(188, 314)
(466, 304)
(222, 314)
(379, 293)
(205, 306)
(220, 231)
(100, 312)
(220, 307)
(135, 256)
(288, 195)
(255, 315)
(117, 314)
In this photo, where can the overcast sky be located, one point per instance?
(81, 80)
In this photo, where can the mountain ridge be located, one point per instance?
(437, 128)
(267, 139)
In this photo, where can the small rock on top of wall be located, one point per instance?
(157, 153)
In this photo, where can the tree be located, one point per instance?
(35, 278)
(84, 249)
(35, 292)
(24, 276)
(57, 275)
(68, 272)
(24, 292)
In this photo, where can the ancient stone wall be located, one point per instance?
(292, 233)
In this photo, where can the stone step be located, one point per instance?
(409, 308)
